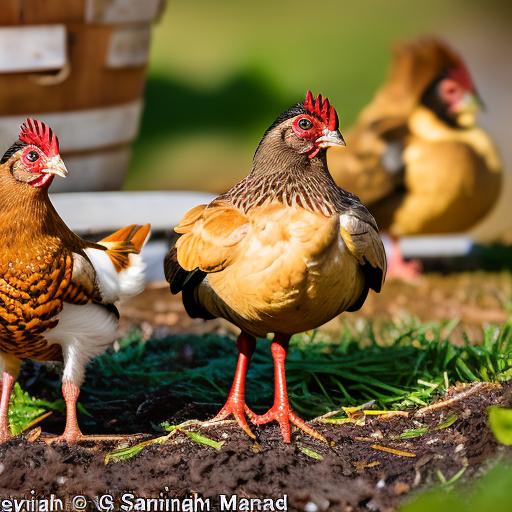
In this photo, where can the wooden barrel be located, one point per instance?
(80, 66)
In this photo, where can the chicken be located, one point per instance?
(284, 251)
(57, 291)
(416, 156)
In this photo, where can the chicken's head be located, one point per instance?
(308, 127)
(34, 159)
(453, 97)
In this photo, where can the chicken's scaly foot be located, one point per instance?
(284, 415)
(239, 412)
(281, 410)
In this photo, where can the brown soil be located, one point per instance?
(475, 298)
(354, 473)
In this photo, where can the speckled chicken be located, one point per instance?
(416, 156)
(284, 251)
(57, 291)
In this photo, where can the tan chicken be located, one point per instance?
(284, 251)
(416, 156)
(57, 291)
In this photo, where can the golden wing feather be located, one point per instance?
(208, 242)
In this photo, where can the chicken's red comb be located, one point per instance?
(41, 135)
(462, 76)
(321, 108)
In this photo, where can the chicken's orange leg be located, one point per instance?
(72, 433)
(7, 384)
(235, 403)
(281, 410)
(398, 267)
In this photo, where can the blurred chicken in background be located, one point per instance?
(416, 156)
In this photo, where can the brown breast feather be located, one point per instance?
(33, 288)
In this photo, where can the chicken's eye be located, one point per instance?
(305, 124)
(450, 89)
(32, 156)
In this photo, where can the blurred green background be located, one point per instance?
(221, 71)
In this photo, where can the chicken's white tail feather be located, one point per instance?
(113, 285)
(133, 279)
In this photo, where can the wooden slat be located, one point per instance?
(30, 12)
(90, 82)
(32, 48)
(52, 11)
(84, 129)
(129, 47)
(10, 12)
(122, 11)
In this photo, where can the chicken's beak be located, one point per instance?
(56, 166)
(469, 103)
(466, 109)
(330, 138)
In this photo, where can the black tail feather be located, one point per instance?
(187, 282)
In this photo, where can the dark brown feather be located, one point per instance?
(186, 282)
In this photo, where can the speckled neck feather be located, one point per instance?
(279, 173)
(27, 215)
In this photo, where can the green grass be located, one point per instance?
(26, 411)
(491, 493)
(415, 365)
(409, 366)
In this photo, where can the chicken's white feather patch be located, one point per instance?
(115, 285)
(132, 280)
(107, 278)
(83, 331)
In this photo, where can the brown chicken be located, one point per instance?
(57, 291)
(284, 251)
(416, 156)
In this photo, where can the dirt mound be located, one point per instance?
(370, 466)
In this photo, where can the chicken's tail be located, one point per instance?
(123, 249)
(125, 241)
